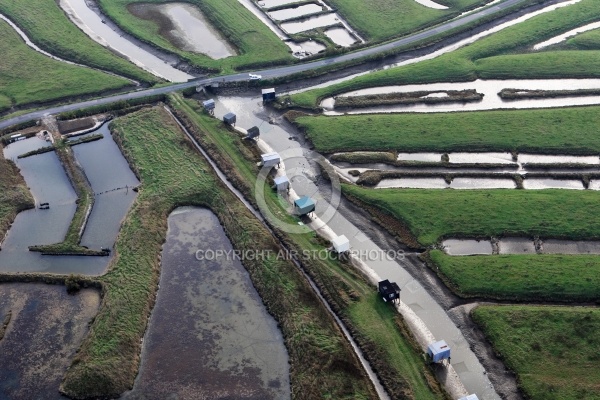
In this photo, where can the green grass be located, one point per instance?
(256, 44)
(494, 56)
(385, 19)
(27, 76)
(551, 349)
(377, 327)
(530, 277)
(14, 194)
(586, 41)
(172, 174)
(561, 130)
(435, 214)
(48, 27)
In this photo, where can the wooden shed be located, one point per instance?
(389, 291)
(304, 205)
(270, 159)
(282, 183)
(253, 132)
(268, 94)
(229, 118)
(438, 351)
(341, 244)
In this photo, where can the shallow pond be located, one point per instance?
(46, 328)
(306, 48)
(340, 36)
(185, 27)
(311, 23)
(209, 335)
(516, 246)
(554, 246)
(295, 12)
(106, 169)
(462, 247)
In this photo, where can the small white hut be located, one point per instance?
(282, 183)
(341, 244)
(270, 159)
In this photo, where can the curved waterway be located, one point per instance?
(209, 335)
(112, 182)
(566, 35)
(89, 22)
(432, 4)
(250, 112)
(45, 330)
(489, 88)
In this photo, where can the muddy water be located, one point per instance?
(553, 246)
(566, 35)
(428, 157)
(306, 48)
(440, 183)
(462, 247)
(557, 159)
(500, 158)
(480, 158)
(482, 183)
(516, 246)
(89, 22)
(310, 23)
(250, 111)
(46, 328)
(209, 335)
(295, 12)
(489, 88)
(258, 13)
(185, 27)
(541, 183)
(415, 183)
(340, 36)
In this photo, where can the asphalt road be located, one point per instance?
(272, 72)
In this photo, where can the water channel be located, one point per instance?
(519, 245)
(45, 330)
(490, 89)
(91, 23)
(250, 112)
(209, 335)
(106, 170)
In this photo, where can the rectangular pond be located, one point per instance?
(209, 335)
(295, 12)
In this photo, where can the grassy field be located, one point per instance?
(173, 174)
(255, 43)
(378, 328)
(14, 194)
(551, 349)
(586, 41)
(27, 76)
(501, 55)
(523, 277)
(48, 27)
(379, 20)
(559, 130)
(435, 214)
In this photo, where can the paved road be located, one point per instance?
(272, 72)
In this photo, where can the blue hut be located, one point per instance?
(268, 94)
(438, 351)
(304, 205)
(229, 118)
(208, 104)
(282, 183)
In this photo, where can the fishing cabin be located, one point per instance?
(270, 159)
(282, 183)
(439, 351)
(252, 133)
(304, 205)
(229, 118)
(341, 244)
(268, 94)
(389, 291)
